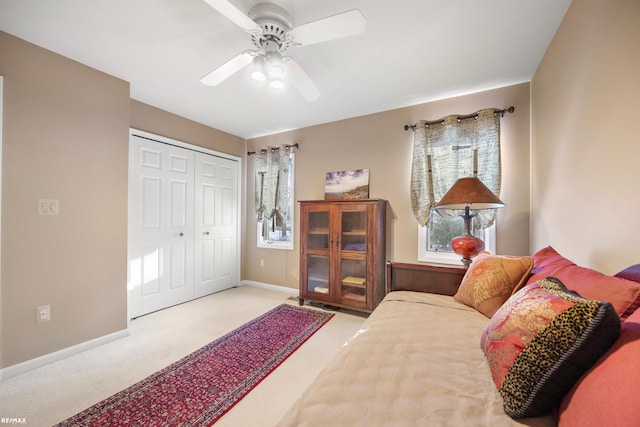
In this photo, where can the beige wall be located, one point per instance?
(65, 137)
(585, 139)
(379, 143)
(150, 119)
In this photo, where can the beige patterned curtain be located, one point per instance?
(272, 169)
(453, 148)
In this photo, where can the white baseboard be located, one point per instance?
(268, 286)
(38, 362)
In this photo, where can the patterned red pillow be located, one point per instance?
(541, 341)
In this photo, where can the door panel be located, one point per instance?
(207, 196)
(150, 195)
(208, 252)
(149, 271)
(179, 198)
(225, 265)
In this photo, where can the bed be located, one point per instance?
(416, 361)
(426, 356)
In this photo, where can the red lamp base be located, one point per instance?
(467, 247)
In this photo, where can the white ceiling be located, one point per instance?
(413, 51)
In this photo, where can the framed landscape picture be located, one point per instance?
(347, 185)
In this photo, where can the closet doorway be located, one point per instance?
(183, 240)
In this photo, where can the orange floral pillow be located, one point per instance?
(491, 280)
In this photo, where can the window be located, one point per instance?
(277, 232)
(445, 150)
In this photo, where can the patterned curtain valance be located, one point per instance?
(272, 169)
(452, 148)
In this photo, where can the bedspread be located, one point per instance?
(416, 361)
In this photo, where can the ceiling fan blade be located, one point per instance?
(235, 15)
(333, 27)
(227, 69)
(301, 81)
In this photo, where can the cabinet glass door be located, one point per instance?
(353, 248)
(318, 240)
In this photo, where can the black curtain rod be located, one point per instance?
(461, 118)
(273, 149)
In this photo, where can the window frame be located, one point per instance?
(282, 244)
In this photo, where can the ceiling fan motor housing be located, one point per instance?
(276, 23)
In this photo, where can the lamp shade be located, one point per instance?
(469, 192)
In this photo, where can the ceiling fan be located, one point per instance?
(273, 31)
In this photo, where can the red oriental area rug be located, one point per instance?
(201, 387)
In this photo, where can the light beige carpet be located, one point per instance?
(57, 391)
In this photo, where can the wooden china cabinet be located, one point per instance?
(342, 252)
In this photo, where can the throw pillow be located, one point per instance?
(608, 394)
(623, 294)
(630, 273)
(541, 341)
(491, 280)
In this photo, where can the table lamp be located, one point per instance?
(468, 194)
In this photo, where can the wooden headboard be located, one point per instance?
(431, 278)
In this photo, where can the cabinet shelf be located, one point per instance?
(355, 233)
(319, 231)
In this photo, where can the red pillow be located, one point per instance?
(607, 395)
(623, 294)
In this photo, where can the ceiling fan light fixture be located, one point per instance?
(274, 63)
(276, 83)
(258, 72)
(276, 71)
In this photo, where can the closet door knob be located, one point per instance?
(206, 233)
(181, 234)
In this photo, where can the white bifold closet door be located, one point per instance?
(216, 224)
(183, 225)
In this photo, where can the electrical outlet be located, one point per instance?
(43, 313)
(47, 207)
